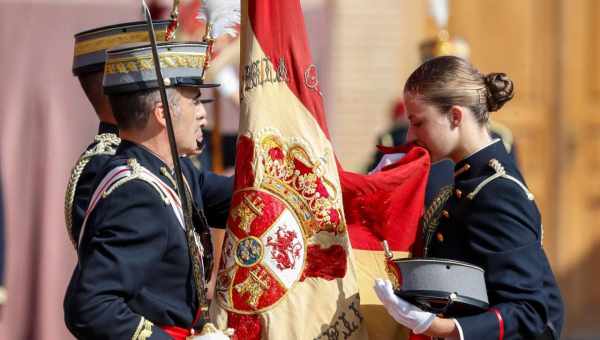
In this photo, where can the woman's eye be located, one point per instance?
(417, 124)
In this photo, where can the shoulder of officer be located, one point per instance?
(87, 166)
(499, 176)
(491, 164)
(499, 208)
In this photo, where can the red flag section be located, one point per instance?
(279, 28)
(384, 206)
(287, 270)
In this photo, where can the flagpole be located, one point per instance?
(196, 255)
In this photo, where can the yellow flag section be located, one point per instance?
(287, 269)
(380, 325)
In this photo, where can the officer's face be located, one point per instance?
(189, 120)
(430, 128)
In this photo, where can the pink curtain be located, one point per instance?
(45, 123)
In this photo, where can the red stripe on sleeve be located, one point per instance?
(500, 322)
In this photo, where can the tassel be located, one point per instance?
(222, 16)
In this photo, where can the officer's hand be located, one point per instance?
(211, 332)
(213, 336)
(402, 311)
(387, 159)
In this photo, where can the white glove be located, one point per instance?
(402, 311)
(387, 159)
(211, 332)
(212, 336)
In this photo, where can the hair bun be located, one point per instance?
(499, 90)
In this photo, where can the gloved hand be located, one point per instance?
(402, 311)
(211, 332)
(213, 336)
(387, 159)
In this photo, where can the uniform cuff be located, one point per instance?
(460, 331)
(146, 330)
(486, 325)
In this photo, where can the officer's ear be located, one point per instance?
(456, 115)
(159, 114)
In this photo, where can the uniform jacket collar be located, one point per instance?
(147, 159)
(107, 128)
(477, 164)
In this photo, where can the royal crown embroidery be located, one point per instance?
(284, 201)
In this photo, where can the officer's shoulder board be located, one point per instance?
(105, 144)
(121, 175)
(499, 173)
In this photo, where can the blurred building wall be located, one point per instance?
(45, 123)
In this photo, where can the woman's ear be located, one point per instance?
(456, 115)
(159, 114)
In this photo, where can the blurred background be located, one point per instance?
(364, 51)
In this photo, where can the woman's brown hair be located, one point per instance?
(448, 80)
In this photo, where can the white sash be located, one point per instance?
(124, 173)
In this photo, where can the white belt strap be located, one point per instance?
(125, 173)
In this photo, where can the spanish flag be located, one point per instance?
(288, 270)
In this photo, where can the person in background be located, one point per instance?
(491, 219)
(395, 135)
(88, 67)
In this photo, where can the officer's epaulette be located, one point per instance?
(499, 173)
(105, 144)
(135, 171)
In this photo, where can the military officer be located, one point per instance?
(440, 174)
(88, 67)
(137, 276)
(490, 220)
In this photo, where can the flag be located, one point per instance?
(287, 268)
(384, 206)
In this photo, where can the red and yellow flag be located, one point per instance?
(287, 268)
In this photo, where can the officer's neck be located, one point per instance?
(158, 144)
(470, 142)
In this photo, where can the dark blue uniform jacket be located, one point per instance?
(134, 272)
(498, 227)
(83, 186)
